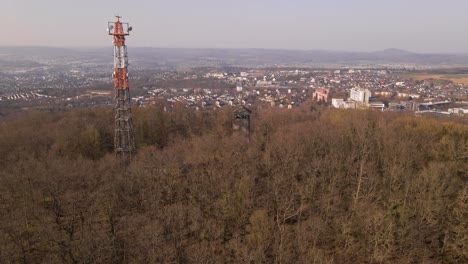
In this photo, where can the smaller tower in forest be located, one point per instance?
(241, 120)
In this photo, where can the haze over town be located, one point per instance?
(361, 25)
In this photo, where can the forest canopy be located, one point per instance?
(326, 186)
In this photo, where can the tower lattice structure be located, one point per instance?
(124, 141)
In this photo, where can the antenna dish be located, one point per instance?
(111, 27)
(130, 29)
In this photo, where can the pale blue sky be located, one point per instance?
(357, 25)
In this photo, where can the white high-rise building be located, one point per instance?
(360, 95)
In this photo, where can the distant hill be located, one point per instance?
(184, 57)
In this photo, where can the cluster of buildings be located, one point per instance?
(212, 88)
(206, 98)
(359, 98)
(379, 89)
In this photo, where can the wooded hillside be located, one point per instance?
(309, 187)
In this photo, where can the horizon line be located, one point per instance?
(231, 48)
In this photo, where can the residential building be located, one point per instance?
(360, 95)
(321, 94)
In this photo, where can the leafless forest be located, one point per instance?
(323, 186)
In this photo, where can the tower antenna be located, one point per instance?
(124, 140)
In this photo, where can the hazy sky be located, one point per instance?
(358, 25)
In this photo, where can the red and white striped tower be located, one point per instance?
(124, 141)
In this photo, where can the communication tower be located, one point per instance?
(124, 141)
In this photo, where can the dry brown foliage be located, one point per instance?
(309, 187)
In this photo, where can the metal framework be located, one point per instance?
(124, 141)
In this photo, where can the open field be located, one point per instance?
(456, 78)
